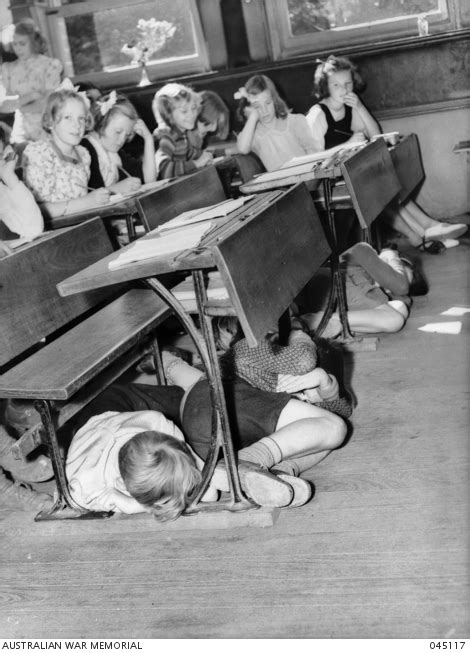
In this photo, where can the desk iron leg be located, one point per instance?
(220, 430)
(337, 291)
(65, 507)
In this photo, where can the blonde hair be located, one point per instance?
(55, 104)
(160, 473)
(169, 97)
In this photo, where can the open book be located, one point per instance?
(205, 213)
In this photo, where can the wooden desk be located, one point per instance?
(406, 157)
(265, 252)
(368, 172)
(169, 190)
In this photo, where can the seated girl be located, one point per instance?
(175, 108)
(18, 209)
(340, 117)
(116, 122)
(126, 456)
(57, 169)
(213, 118)
(270, 130)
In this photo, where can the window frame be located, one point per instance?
(128, 75)
(285, 45)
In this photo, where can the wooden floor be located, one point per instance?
(380, 552)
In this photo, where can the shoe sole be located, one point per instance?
(302, 489)
(261, 486)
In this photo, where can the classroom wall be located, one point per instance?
(446, 188)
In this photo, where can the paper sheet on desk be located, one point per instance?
(154, 185)
(318, 157)
(206, 213)
(167, 243)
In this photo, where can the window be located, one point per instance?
(299, 26)
(89, 36)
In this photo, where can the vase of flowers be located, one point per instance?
(151, 37)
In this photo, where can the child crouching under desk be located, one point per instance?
(129, 458)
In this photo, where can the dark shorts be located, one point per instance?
(133, 397)
(253, 414)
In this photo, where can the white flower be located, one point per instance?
(151, 36)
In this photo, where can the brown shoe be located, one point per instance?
(34, 470)
(21, 497)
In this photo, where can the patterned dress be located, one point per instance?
(38, 74)
(53, 177)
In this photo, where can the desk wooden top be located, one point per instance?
(99, 274)
(324, 169)
(266, 252)
(128, 204)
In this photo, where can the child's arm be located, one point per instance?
(362, 121)
(91, 200)
(303, 134)
(245, 137)
(21, 213)
(325, 385)
(165, 158)
(318, 127)
(149, 168)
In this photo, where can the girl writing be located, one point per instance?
(270, 131)
(57, 169)
(340, 117)
(116, 122)
(175, 108)
(28, 81)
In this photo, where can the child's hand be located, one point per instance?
(128, 185)
(251, 112)
(142, 130)
(290, 383)
(358, 137)
(353, 100)
(98, 197)
(205, 159)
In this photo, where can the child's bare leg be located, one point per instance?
(411, 211)
(178, 372)
(383, 318)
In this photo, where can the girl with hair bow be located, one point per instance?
(116, 122)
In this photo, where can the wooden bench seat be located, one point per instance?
(62, 352)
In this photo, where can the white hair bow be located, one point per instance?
(67, 85)
(108, 104)
(241, 93)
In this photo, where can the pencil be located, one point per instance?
(338, 131)
(125, 172)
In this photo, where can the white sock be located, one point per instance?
(399, 306)
(392, 258)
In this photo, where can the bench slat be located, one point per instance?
(58, 370)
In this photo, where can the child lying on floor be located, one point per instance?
(377, 292)
(129, 457)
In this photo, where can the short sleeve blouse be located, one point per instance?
(53, 177)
